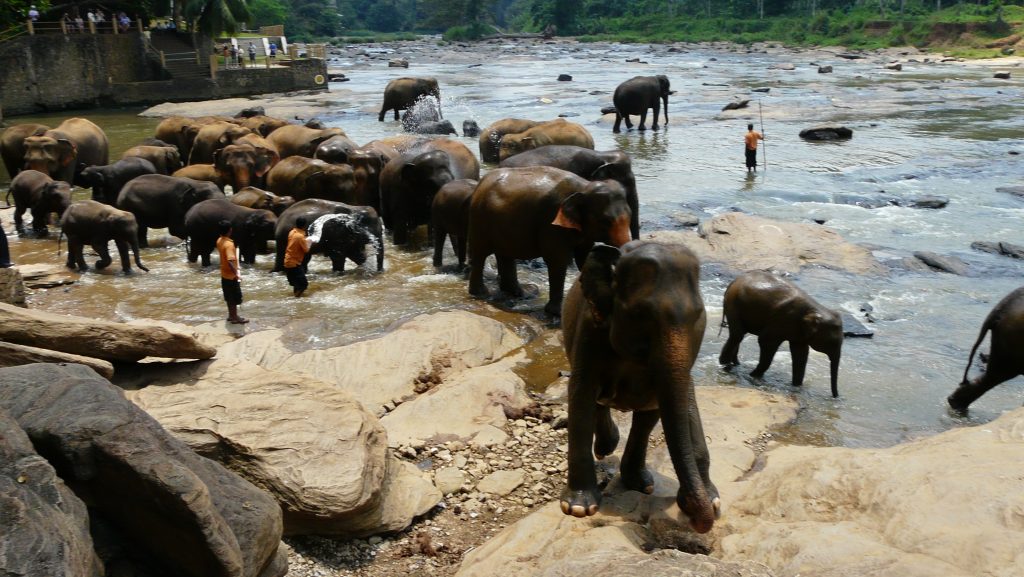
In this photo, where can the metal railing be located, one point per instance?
(13, 32)
(79, 26)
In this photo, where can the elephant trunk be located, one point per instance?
(665, 98)
(242, 178)
(379, 239)
(834, 369)
(684, 434)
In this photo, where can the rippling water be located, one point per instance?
(931, 129)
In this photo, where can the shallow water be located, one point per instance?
(932, 129)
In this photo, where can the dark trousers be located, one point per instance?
(751, 157)
(297, 277)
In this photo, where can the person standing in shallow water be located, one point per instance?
(230, 279)
(750, 147)
(295, 257)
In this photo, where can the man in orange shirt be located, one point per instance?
(295, 256)
(750, 147)
(230, 283)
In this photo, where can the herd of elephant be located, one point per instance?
(633, 321)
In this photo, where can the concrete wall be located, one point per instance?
(56, 72)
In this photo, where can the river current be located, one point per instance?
(946, 129)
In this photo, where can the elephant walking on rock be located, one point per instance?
(1005, 360)
(88, 222)
(633, 323)
(777, 310)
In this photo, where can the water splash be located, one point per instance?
(349, 221)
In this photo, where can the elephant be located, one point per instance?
(438, 127)
(335, 149)
(251, 228)
(636, 95)
(400, 144)
(633, 323)
(40, 194)
(539, 211)
(12, 145)
(156, 142)
(96, 224)
(345, 237)
(777, 310)
(211, 138)
(490, 138)
(470, 129)
(61, 152)
(558, 131)
(241, 165)
(181, 132)
(264, 146)
(107, 181)
(204, 172)
(382, 149)
(294, 140)
(1006, 321)
(253, 197)
(304, 178)
(160, 201)
(591, 165)
(449, 218)
(402, 94)
(262, 125)
(166, 159)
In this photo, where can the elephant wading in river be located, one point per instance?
(87, 222)
(633, 327)
(1005, 360)
(449, 218)
(636, 95)
(40, 194)
(490, 138)
(525, 213)
(251, 228)
(303, 178)
(252, 197)
(402, 93)
(340, 238)
(159, 201)
(777, 310)
(107, 181)
(591, 165)
(213, 137)
(12, 145)
(558, 131)
(294, 140)
(166, 159)
(60, 152)
(241, 165)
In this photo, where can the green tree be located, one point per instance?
(267, 12)
(212, 17)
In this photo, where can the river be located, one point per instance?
(939, 129)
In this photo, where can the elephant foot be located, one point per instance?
(553, 309)
(580, 503)
(100, 265)
(757, 374)
(616, 130)
(641, 127)
(638, 480)
(127, 272)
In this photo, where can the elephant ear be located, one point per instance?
(311, 178)
(409, 171)
(597, 279)
(218, 160)
(68, 151)
(264, 161)
(569, 215)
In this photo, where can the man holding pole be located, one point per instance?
(750, 147)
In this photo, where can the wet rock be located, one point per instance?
(568, 114)
(184, 513)
(942, 263)
(315, 123)
(853, 328)
(45, 526)
(783, 66)
(927, 201)
(850, 56)
(826, 133)
(502, 482)
(564, 78)
(470, 128)
(608, 110)
(1001, 248)
(398, 63)
(824, 70)
(846, 512)
(106, 340)
(12, 286)
(251, 111)
(763, 89)
(686, 219)
(12, 355)
(1017, 191)
(896, 66)
(861, 200)
(338, 78)
(737, 104)
(37, 276)
(1001, 75)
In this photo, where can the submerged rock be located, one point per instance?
(826, 133)
(854, 328)
(1002, 248)
(737, 104)
(943, 263)
(824, 70)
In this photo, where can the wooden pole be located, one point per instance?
(764, 145)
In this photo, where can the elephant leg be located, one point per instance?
(439, 236)
(75, 257)
(19, 223)
(556, 285)
(635, 475)
(629, 123)
(581, 496)
(643, 120)
(999, 370)
(122, 251)
(380, 117)
(701, 454)
(459, 244)
(768, 349)
(337, 263)
(618, 121)
(143, 236)
(476, 273)
(396, 114)
(400, 232)
(204, 254)
(731, 349)
(39, 222)
(508, 277)
(799, 353)
(101, 248)
(606, 434)
(656, 110)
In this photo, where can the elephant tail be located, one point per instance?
(7, 198)
(970, 359)
(59, 237)
(722, 324)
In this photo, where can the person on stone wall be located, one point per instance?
(252, 54)
(33, 14)
(273, 51)
(79, 23)
(234, 55)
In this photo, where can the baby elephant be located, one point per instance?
(37, 192)
(1006, 321)
(96, 224)
(449, 218)
(777, 310)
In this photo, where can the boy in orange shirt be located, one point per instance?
(295, 257)
(750, 147)
(230, 283)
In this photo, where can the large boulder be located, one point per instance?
(826, 133)
(184, 513)
(744, 242)
(12, 355)
(410, 359)
(45, 526)
(12, 286)
(946, 505)
(307, 442)
(108, 340)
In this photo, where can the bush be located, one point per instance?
(474, 31)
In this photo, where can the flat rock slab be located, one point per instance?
(943, 263)
(417, 355)
(854, 328)
(946, 505)
(307, 442)
(42, 276)
(1002, 248)
(12, 355)
(501, 483)
(743, 242)
(106, 340)
(1017, 191)
(180, 511)
(45, 526)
